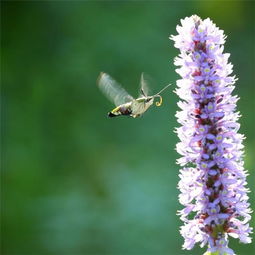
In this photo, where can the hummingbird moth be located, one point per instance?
(125, 103)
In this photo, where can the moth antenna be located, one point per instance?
(163, 89)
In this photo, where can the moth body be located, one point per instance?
(126, 105)
(124, 109)
(135, 108)
(140, 105)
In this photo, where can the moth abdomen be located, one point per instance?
(111, 115)
(120, 110)
(125, 110)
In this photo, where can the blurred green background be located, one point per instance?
(74, 181)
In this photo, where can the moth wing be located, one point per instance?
(112, 90)
(144, 87)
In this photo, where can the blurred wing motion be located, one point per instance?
(144, 88)
(112, 90)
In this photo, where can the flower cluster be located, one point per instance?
(212, 181)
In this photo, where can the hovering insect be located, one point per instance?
(126, 104)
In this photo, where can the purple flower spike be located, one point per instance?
(212, 185)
